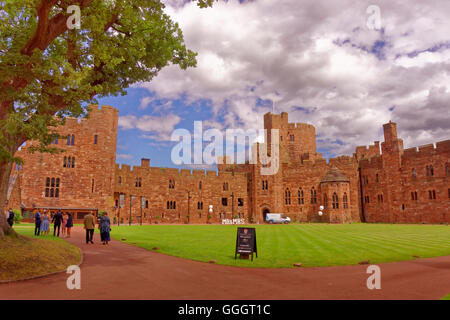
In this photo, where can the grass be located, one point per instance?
(25, 256)
(283, 245)
(447, 297)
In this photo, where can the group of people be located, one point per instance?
(104, 225)
(61, 223)
(64, 222)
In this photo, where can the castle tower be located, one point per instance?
(335, 197)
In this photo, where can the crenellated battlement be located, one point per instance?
(427, 150)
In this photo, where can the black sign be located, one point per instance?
(246, 242)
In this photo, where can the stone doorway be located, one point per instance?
(265, 211)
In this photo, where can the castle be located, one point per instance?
(390, 185)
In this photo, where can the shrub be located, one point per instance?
(17, 216)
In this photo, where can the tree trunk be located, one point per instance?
(5, 171)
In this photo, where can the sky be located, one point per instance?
(332, 64)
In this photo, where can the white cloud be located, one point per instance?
(318, 61)
(157, 128)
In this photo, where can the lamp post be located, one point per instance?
(189, 198)
(131, 204)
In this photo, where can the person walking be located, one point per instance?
(45, 224)
(105, 228)
(63, 225)
(37, 223)
(10, 217)
(69, 224)
(89, 226)
(57, 219)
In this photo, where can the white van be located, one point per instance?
(277, 218)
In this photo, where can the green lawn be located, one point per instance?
(26, 256)
(284, 245)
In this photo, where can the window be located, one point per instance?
(413, 172)
(146, 204)
(120, 180)
(403, 206)
(414, 195)
(432, 194)
(376, 178)
(92, 191)
(225, 186)
(55, 141)
(287, 197)
(240, 202)
(366, 199)
(225, 202)
(430, 171)
(200, 205)
(335, 201)
(447, 169)
(345, 200)
(171, 184)
(449, 193)
(71, 140)
(325, 201)
(291, 137)
(171, 205)
(265, 185)
(313, 196)
(200, 185)
(52, 187)
(300, 196)
(380, 198)
(95, 139)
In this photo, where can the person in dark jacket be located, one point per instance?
(10, 217)
(69, 224)
(57, 220)
(105, 228)
(37, 223)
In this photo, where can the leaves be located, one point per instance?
(48, 72)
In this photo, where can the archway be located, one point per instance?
(265, 211)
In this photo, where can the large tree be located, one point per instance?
(51, 68)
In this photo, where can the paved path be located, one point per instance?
(121, 271)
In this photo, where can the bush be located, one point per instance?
(17, 216)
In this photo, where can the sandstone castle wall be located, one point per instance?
(379, 183)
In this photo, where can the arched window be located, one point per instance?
(301, 200)
(168, 205)
(287, 197)
(335, 201)
(120, 180)
(73, 162)
(345, 200)
(68, 162)
(72, 141)
(200, 185)
(225, 186)
(313, 196)
(325, 201)
(447, 169)
(174, 204)
(65, 162)
(413, 172)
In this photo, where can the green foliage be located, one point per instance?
(50, 73)
(17, 216)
